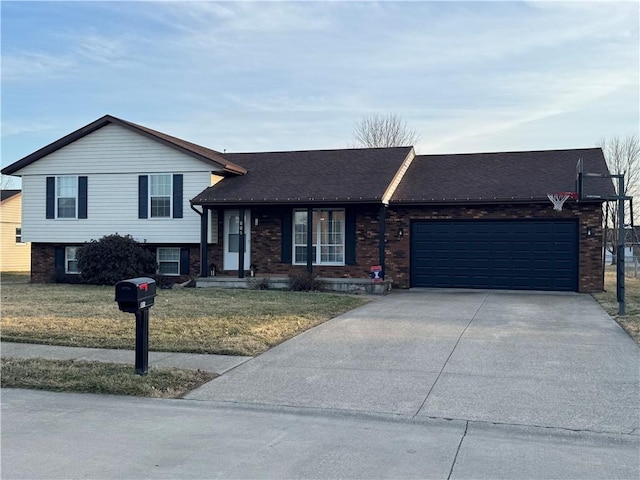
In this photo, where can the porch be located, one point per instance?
(282, 282)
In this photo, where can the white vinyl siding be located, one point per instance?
(114, 149)
(113, 158)
(328, 237)
(168, 261)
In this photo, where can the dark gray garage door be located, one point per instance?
(516, 255)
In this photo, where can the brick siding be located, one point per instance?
(266, 242)
(43, 263)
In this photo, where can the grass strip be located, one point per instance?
(608, 299)
(99, 377)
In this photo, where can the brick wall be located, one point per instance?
(43, 263)
(266, 238)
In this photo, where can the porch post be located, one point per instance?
(381, 238)
(241, 243)
(204, 246)
(310, 241)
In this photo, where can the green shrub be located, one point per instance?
(114, 258)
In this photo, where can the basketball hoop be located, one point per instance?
(558, 199)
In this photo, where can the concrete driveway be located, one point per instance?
(513, 358)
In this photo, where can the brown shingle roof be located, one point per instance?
(196, 151)
(500, 177)
(317, 176)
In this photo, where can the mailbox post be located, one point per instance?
(137, 295)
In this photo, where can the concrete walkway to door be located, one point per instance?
(513, 358)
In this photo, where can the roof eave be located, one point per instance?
(287, 201)
(102, 122)
(57, 145)
(481, 201)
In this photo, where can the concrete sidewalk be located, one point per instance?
(211, 363)
(59, 435)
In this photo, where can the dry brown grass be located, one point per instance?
(236, 322)
(631, 321)
(99, 377)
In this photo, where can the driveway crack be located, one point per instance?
(455, 458)
(475, 314)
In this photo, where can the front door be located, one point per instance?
(232, 239)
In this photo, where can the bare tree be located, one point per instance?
(378, 130)
(623, 157)
(6, 182)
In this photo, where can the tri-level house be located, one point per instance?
(466, 220)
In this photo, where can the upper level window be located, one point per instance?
(66, 197)
(327, 237)
(160, 194)
(71, 260)
(19, 235)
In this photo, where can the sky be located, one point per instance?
(270, 76)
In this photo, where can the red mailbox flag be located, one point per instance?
(144, 286)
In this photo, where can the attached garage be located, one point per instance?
(498, 254)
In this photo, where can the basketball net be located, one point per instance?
(559, 198)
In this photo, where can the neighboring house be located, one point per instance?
(15, 254)
(473, 220)
(632, 244)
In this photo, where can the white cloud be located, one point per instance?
(275, 75)
(33, 65)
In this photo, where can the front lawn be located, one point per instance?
(235, 322)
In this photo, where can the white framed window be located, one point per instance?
(168, 261)
(71, 260)
(19, 235)
(160, 195)
(66, 197)
(327, 240)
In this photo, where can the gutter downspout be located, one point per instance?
(204, 247)
(381, 238)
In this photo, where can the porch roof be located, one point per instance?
(310, 177)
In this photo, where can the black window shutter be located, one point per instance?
(350, 236)
(184, 261)
(59, 260)
(143, 196)
(177, 196)
(82, 197)
(285, 228)
(51, 197)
